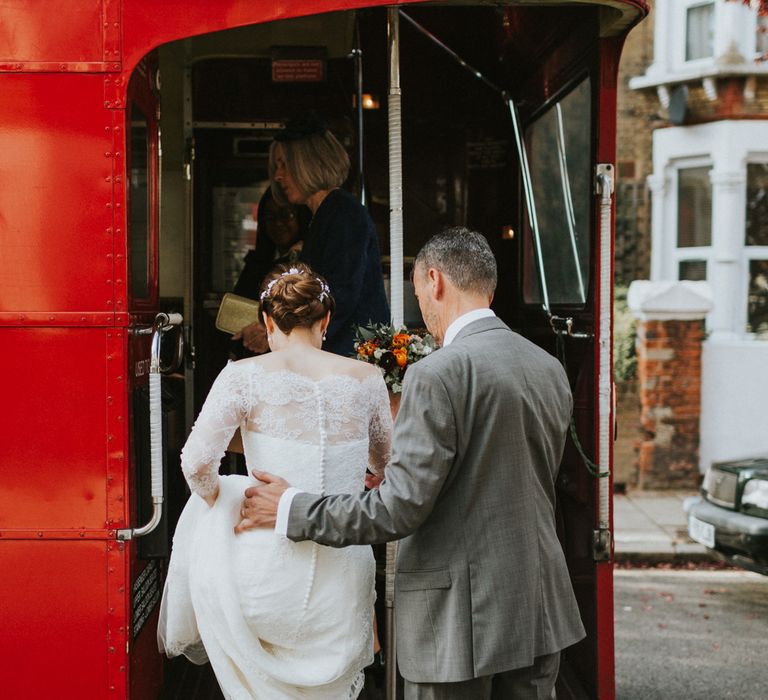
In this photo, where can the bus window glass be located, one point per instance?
(233, 231)
(139, 205)
(559, 153)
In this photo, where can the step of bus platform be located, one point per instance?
(186, 681)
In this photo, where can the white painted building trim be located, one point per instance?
(735, 45)
(734, 386)
(669, 301)
(727, 146)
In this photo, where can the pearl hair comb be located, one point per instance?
(324, 289)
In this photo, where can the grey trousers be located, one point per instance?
(535, 682)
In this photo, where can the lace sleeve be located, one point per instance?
(225, 408)
(379, 425)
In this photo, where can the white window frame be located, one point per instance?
(684, 6)
(727, 147)
(675, 253)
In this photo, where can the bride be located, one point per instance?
(279, 619)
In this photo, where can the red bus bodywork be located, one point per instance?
(68, 356)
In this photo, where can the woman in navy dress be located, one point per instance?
(308, 165)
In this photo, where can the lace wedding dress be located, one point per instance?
(277, 619)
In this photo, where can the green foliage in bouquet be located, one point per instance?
(392, 349)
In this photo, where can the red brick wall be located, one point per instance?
(669, 372)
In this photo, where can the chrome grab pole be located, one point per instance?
(396, 296)
(395, 169)
(604, 188)
(163, 322)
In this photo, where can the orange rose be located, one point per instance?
(400, 340)
(401, 354)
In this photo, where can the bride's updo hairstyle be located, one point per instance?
(295, 296)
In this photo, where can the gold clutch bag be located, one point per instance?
(236, 312)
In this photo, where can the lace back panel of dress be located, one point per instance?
(335, 419)
(285, 405)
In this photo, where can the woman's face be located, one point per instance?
(280, 224)
(286, 182)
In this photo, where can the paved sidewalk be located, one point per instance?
(652, 525)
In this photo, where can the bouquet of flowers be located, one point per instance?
(393, 350)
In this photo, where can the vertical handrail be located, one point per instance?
(604, 189)
(395, 170)
(163, 322)
(396, 295)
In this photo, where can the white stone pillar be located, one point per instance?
(658, 185)
(724, 273)
(660, 16)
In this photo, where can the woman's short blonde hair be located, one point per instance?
(315, 162)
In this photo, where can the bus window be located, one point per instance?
(559, 152)
(139, 205)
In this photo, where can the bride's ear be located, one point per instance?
(325, 321)
(268, 323)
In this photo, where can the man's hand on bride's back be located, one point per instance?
(259, 508)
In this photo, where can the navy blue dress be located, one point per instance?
(343, 247)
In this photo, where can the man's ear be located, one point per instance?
(437, 281)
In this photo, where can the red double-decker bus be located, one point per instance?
(116, 244)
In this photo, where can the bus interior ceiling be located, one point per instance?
(460, 167)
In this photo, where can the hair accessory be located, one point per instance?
(302, 126)
(324, 288)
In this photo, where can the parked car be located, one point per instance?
(731, 515)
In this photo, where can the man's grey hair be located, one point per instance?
(464, 256)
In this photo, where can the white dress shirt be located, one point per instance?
(465, 319)
(284, 505)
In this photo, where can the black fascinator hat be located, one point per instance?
(302, 126)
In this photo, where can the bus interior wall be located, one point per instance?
(460, 168)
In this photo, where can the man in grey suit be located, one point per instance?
(484, 602)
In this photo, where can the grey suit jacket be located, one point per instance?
(482, 585)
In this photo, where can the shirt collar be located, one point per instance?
(465, 319)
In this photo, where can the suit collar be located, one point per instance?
(465, 319)
(480, 326)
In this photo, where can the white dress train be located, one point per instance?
(277, 619)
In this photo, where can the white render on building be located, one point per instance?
(699, 192)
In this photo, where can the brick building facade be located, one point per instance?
(637, 115)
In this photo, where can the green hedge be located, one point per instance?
(624, 336)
